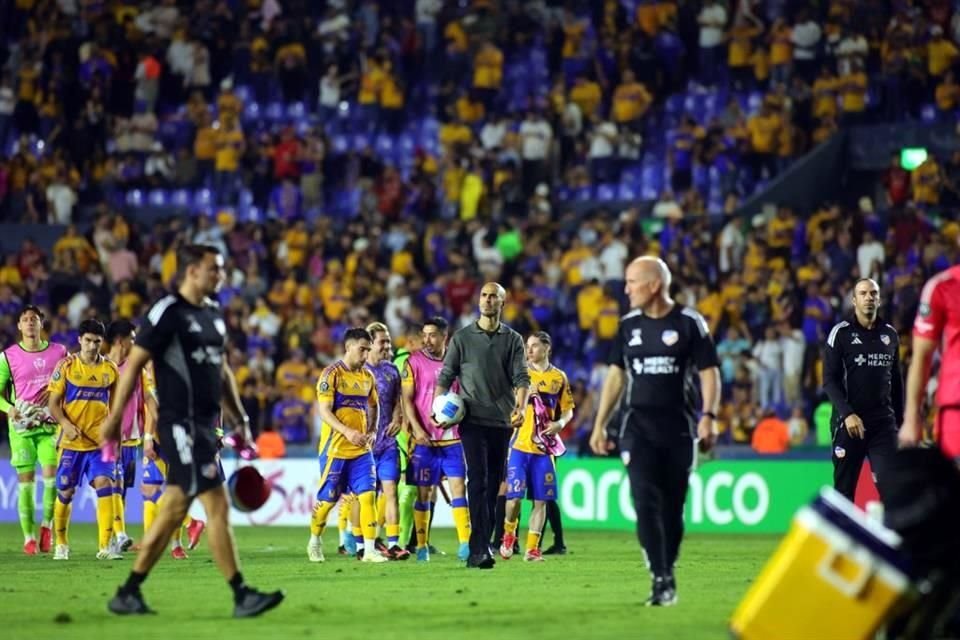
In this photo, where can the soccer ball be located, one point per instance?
(248, 489)
(448, 409)
(30, 415)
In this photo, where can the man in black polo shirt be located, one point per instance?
(862, 377)
(659, 352)
(490, 360)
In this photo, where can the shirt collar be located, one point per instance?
(478, 329)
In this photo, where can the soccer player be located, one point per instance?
(185, 335)
(861, 375)
(437, 451)
(937, 325)
(80, 391)
(139, 411)
(530, 469)
(346, 392)
(664, 349)
(25, 370)
(385, 453)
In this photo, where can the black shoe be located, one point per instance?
(662, 594)
(359, 554)
(436, 552)
(555, 550)
(379, 546)
(481, 561)
(252, 603)
(126, 604)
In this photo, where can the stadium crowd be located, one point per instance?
(377, 160)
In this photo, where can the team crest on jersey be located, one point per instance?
(56, 375)
(885, 339)
(554, 386)
(670, 337)
(324, 386)
(635, 338)
(39, 364)
(839, 452)
(924, 310)
(625, 457)
(209, 471)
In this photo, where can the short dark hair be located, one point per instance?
(436, 321)
(357, 333)
(27, 308)
(193, 254)
(91, 326)
(119, 329)
(543, 337)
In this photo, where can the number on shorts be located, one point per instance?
(184, 444)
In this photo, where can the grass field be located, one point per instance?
(596, 591)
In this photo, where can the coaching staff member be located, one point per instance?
(861, 375)
(660, 350)
(184, 334)
(490, 360)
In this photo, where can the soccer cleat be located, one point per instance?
(463, 552)
(123, 542)
(125, 604)
(533, 555)
(555, 550)
(342, 550)
(252, 603)
(423, 554)
(315, 551)
(109, 553)
(436, 552)
(506, 548)
(30, 547)
(374, 556)
(398, 553)
(194, 531)
(61, 552)
(46, 539)
(661, 594)
(177, 553)
(350, 544)
(379, 546)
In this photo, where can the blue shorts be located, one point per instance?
(351, 475)
(77, 465)
(388, 465)
(531, 473)
(128, 465)
(429, 464)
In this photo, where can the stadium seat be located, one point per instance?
(296, 111)
(203, 199)
(606, 192)
(158, 197)
(181, 198)
(626, 192)
(360, 142)
(251, 112)
(384, 146)
(243, 93)
(340, 144)
(134, 198)
(246, 198)
(274, 111)
(928, 113)
(754, 102)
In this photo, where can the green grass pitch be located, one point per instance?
(595, 592)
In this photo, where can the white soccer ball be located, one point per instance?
(448, 409)
(30, 414)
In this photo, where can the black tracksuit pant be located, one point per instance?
(485, 450)
(879, 445)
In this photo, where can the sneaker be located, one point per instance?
(359, 554)
(661, 595)
(463, 551)
(379, 546)
(342, 550)
(423, 554)
(555, 550)
(252, 603)
(350, 544)
(481, 561)
(398, 553)
(30, 547)
(178, 553)
(125, 604)
(123, 542)
(506, 548)
(46, 539)
(436, 552)
(372, 555)
(109, 553)
(533, 555)
(194, 531)
(61, 552)
(315, 551)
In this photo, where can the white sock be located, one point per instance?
(315, 539)
(360, 546)
(177, 544)
(370, 543)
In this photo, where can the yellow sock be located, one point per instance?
(421, 522)
(318, 521)
(187, 520)
(149, 512)
(510, 528)
(343, 517)
(61, 519)
(461, 519)
(368, 515)
(119, 525)
(393, 534)
(381, 510)
(533, 539)
(104, 516)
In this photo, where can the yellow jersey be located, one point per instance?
(554, 390)
(351, 394)
(85, 391)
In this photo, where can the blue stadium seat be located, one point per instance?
(340, 144)
(296, 111)
(384, 145)
(134, 198)
(274, 111)
(243, 92)
(754, 102)
(406, 144)
(180, 198)
(563, 193)
(360, 142)
(583, 193)
(246, 198)
(626, 192)
(928, 113)
(675, 103)
(701, 177)
(203, 199)
(251, 111)
(158, 198)
(606, 192)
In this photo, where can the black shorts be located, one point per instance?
(192, 455)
